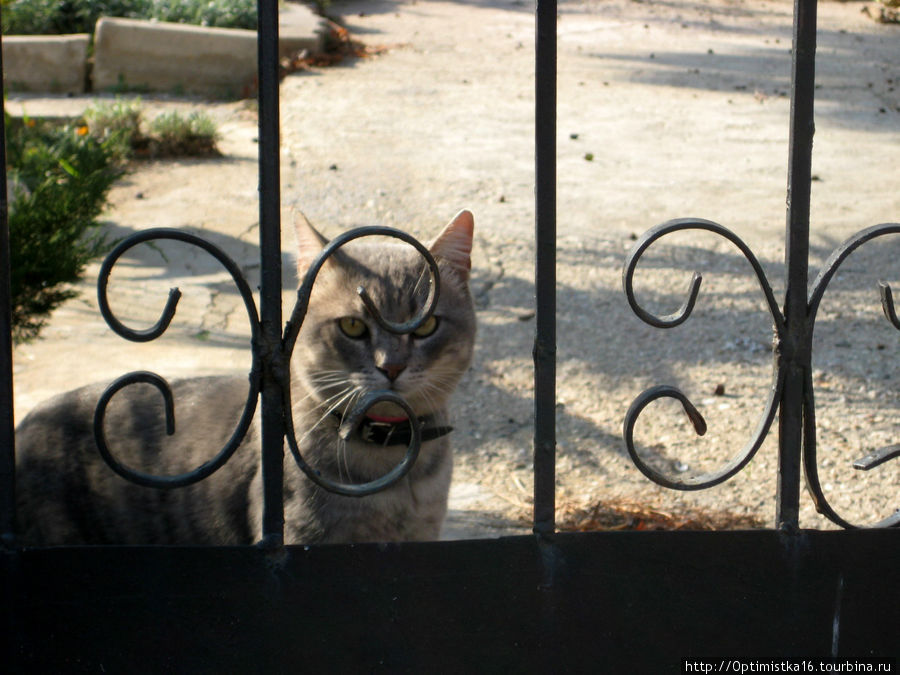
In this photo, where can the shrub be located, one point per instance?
(51, 17)
(172, 134)
(48, 17)
(59, 179)
(218, 14)
(63, 176)
(116, 124)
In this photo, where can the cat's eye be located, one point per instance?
(427, 328)
(352, 327)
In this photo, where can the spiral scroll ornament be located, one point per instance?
(356, 415)
(790, 350)
(201, 472)
(278, 361)
(878, 456)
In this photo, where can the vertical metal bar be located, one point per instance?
(545, 270)
(795, 351)
(7, 423)
(270, 282)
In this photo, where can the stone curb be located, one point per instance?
(46, 63)
(140, 55)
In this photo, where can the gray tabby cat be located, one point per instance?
(68, 495)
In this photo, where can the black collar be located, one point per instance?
(397, 433)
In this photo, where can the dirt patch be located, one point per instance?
(641, 516)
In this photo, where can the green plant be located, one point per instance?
(217, 14)
(32, 17)
(115, 123)
(321, 6)
(173, 134)
(63, 176)
(119, 125)
(59, 179)
(79, 16)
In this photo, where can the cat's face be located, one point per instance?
(342, 353)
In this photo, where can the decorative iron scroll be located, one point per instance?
(160, 383)
(279, 362)
(356, 415)
(800, 347)
(880, 455)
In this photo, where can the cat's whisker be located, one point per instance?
(335, 402)
(342, 453)
(430, 399)
(328, 380)
(424, 274)
(342, 449)
(324, 403)
(437, 381)
(327, 375)
(330, 384)
(332, 404)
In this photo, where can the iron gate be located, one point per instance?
(631, 602)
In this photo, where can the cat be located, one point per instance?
(67, 495)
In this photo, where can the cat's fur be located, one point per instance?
(68, 495)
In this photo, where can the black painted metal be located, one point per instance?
(160, 383)
(621, 603)
(545, 271)
(743, 457)
(273, 426)
(794, 348)
(877, 456)
(7, 434)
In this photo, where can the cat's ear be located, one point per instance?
(454, 244)
(309, 243)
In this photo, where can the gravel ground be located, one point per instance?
(666, 109)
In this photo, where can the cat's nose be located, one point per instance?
(391, 371)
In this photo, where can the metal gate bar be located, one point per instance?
(795, 348)
(7, 421)
(545, 270)
(270, 349)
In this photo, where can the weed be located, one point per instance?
(172, 134)
(119, 124)
(115, 123)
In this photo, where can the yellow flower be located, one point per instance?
(82, 130)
